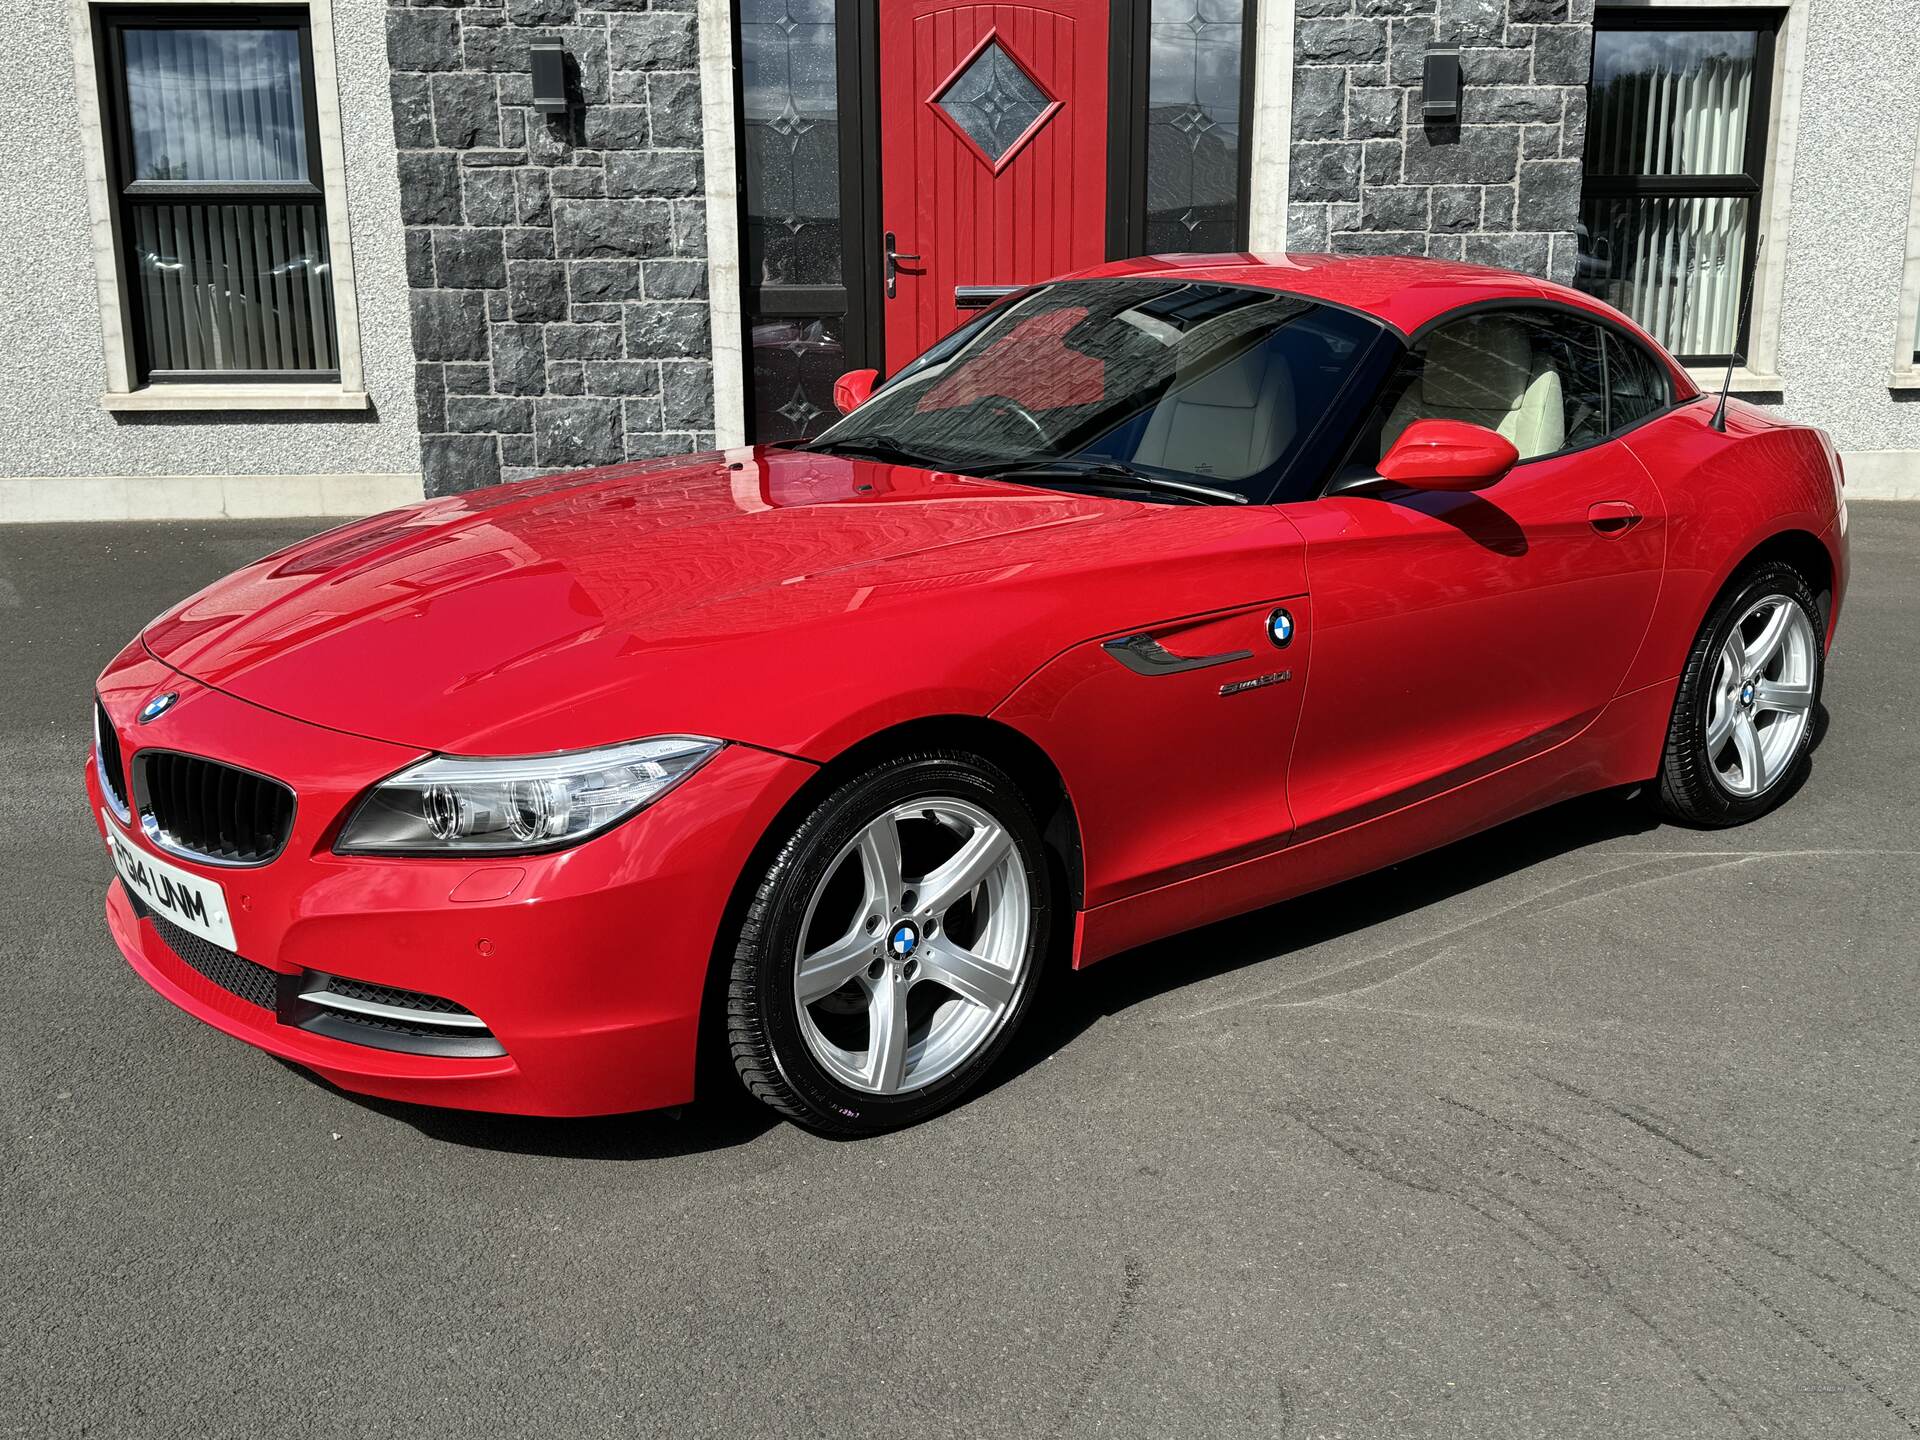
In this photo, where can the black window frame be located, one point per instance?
(1764, 23)
(109, 26)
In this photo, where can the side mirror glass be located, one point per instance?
(1448, 455)
(851, 390)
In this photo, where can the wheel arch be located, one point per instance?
(1803, 550)
(993, 740)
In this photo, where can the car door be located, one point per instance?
(1457, 633)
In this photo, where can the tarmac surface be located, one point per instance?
(1583, 1127)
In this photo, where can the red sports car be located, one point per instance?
(1155, 594)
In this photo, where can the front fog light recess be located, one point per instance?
(453, 805)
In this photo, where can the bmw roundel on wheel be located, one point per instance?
(1152, 595)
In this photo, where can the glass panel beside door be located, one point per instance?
(795, 241)
(1194, 95)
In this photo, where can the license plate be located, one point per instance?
(196, 905)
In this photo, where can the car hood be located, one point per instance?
(744, 595)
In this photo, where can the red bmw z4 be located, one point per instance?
(1150, 596)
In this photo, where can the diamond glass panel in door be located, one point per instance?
(994, 102)
(1193, 125)
(1666, 222)
(791, 112)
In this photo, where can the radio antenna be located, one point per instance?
(1719, 420)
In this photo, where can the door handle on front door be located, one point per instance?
(893, 258)
(1613, 517)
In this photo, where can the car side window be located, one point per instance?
(1636, 386)
(1538, 377)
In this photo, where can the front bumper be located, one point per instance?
(587, 966)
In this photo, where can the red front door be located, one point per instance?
(993, 152)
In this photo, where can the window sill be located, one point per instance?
(1745, 381)
(1904, 377)
(234, 397)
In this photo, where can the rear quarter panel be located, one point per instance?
(1726, 495)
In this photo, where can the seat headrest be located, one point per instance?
(1236, 384)
(1481, 363)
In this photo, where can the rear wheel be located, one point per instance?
(1742, 722)
(893, 946)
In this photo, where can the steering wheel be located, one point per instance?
(1006, 405)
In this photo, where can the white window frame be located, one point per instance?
(1760, 374)
(1905, 373)
(346, 393)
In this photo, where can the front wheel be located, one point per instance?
(893, 946)
(1742, 724)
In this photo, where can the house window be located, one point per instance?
(214, 160)
(1676, 154)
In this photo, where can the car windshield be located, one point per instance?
(1181, 390)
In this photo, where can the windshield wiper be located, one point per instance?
(1112, 472)
(867, 447)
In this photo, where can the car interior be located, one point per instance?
(1229, 422)
(1536, 378)
(1486, 370)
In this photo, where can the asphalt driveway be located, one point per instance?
(1584, 1127)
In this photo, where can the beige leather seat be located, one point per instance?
(1482, 370)
(1230, 422)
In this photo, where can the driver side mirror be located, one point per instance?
(1448, 455)
(851, 390)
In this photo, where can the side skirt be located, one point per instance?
(1621, 747)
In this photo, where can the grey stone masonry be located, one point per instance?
(1501, 187)
(557, 263)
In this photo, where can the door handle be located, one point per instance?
(1145, 655)
(1613, 518)
(893, 258)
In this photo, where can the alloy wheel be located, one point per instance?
(1761, 697)
(913, 949)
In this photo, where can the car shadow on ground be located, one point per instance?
(1079, 1000)
(1262, 937)
(1076, 1001)
(725, 1116)
(719, 1123)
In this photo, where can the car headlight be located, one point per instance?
(447, 805)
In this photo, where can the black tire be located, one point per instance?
(769, 1050)
(1690, 788)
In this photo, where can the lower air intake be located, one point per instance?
(383, 1017)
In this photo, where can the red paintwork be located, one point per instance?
(973, 220)
(1458, 659)
(1449, 455)
(851, 390)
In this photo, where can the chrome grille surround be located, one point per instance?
(211, 812)
(108, 767)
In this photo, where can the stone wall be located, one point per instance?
(1502, 187)
(557, 263)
